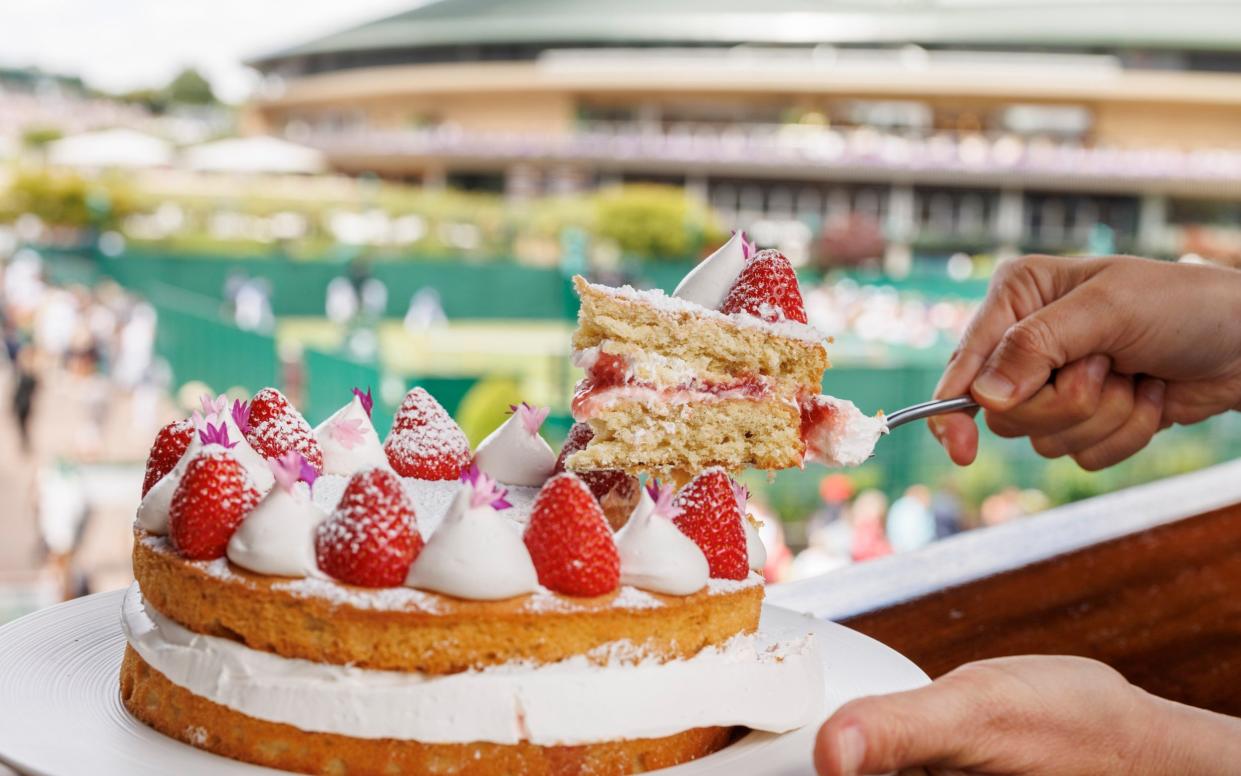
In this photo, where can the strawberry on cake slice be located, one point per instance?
(715, 374)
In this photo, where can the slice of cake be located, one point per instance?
(713, 375)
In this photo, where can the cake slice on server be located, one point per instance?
(717, 374)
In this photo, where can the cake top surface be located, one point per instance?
(672, 305)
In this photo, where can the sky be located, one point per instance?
(118, 45)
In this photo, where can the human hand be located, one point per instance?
(1134, 345)
(1026, 715)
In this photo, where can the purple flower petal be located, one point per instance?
(241, 415)
(216, 435)
(368, 402)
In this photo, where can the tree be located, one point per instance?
(190, 88)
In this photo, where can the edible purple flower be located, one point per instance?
(291, 468)
(531, 417)
(663, 497)
(367, 400)
(241, 415)
(484, 490)
(212, 405)
(215, 435)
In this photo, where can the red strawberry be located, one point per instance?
(170, 444)
(767, 287)
(214, 494)
(604, 483)
(569, 540)
(370, 539)
(276, 427)
(425, 442)
(710, 516)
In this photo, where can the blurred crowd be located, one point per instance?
(881, 314)
(101, 336)
(83, 396)
(851, 526)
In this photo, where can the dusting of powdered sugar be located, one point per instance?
(657, 299)
(725, 586)
(543, 600)
(632, 598)
(378, 599)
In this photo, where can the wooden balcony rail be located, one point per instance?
(1147, 579)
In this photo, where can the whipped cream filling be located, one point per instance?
(278, 537)
(709, 283)
(475, 554)
(516, 454)
(587, 405)
(848, 437)
(656, 556)
(349, 441)
(771, 682)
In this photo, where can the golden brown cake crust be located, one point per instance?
(192, 719)
(450, 635)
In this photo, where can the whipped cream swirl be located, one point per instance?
(654, 554)
(475, 553)
(515, 453)
(349, 440)
(278, 537)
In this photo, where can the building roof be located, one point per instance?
(1203, 25)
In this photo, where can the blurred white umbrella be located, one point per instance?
(109, 148)
(255, 155)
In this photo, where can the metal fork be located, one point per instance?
(928, 408)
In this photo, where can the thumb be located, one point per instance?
(885, 733)
(1031, 348)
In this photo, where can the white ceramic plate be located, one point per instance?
(61, 713)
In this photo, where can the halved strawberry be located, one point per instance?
(569, 540)
(616, 491)
(170, 444)
(767, 287)
(213, 497)
(276, 427)
(711, 517)
(370, 538)
(425, 442)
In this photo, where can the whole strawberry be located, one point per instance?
(213, 497)
(170, 444)
(569, 540)
(767, 288)
(370, 539)
(616, 491)
(425, 442)
(275, 427)
(711, 517)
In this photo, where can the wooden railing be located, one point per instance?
(1147, 580)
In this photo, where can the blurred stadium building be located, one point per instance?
(932, 125)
